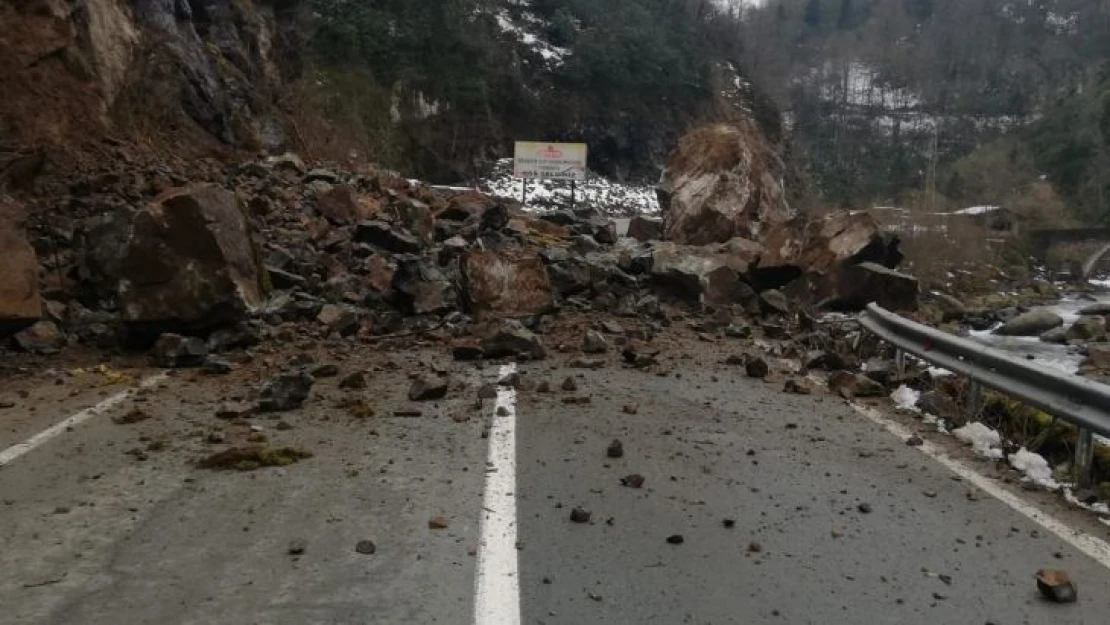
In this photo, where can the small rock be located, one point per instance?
(544, 387)
(633, 481)
(1056, 585)
(466, 353)
(135, 415)
(630, 409)
(297, 547)
(797, 387)
(569, 384)
(865, 508)
(755, 547)
(594, 343)
(353, 382)
(915, 441)
(214, 365)
(585, 363)
(427, 388)
(615, 449)
(612, 327)
(438, 523)
(487, 391)
(580, 515)
(756, 367)
(502, 411)
(286, 391)
(328, 370)
(729, 523)
(366, 547)
(930, 493)
(675, 539)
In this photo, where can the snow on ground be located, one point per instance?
(983, 440)
(609, 198)
(551, 53)
(1035, 468)
(906, 398)
(977, 210)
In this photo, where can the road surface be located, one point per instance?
(790, 508)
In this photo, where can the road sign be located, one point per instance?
(549, 161)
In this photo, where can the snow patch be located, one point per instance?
(607, 197)
(1035, 468)
(551, 53)
(906, 398)
(983, 440)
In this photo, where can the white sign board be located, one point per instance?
(549, 161)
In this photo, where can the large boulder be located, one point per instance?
(1087, 328)
(20, 304)
(722, 181)
(506, 284)
(1032, 323)
(711, 275)
(188, 260)
(820, 252)
(862, 284)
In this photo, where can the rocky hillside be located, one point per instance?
(437, 90)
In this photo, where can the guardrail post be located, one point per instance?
(974, 398)
(900, 362)
(1084, 458)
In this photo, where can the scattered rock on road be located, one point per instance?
(797, 386)
(427, 388)
(438, 523)
(633, 481)
(353, 382)
(849, 385)
(756, 367)
(1056, 585)
(615, 449)
(865, 508)
(569, 384)
(366, 547)
(675, 539)
(286, 391)
(580, 515)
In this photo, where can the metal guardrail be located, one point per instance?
(1072, 398)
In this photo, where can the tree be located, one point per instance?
(813, 14)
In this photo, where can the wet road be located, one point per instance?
(831, 518)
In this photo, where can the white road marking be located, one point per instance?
(1094, 547)
(496, 584)
(19, 449)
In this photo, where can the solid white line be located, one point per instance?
(19, 449)
(496, 584)
(1094, 547)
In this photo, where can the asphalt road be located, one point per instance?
(92, 535)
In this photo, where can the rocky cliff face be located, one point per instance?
(199, 70)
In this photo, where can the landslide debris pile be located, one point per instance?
(122, 252)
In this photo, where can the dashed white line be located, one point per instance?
(17, 450)
(497, 585)
(1092, 546)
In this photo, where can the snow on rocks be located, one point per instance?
(983, 440)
